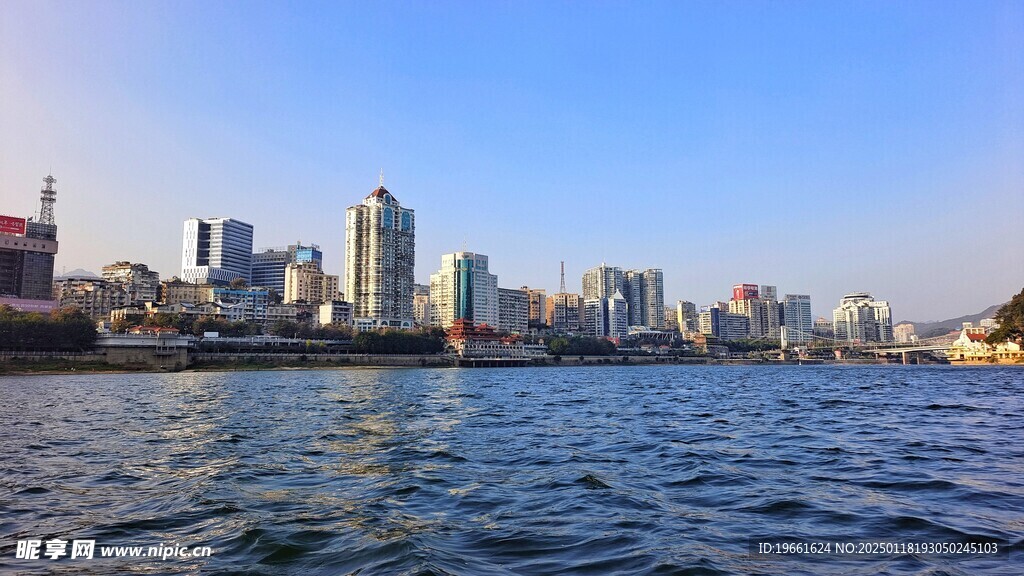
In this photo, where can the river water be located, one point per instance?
(590, 470)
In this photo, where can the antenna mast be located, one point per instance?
(562, 288)
(48, 196)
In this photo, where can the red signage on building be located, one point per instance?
(12, 225)
(744, 291)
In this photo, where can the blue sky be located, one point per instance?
(824, 147)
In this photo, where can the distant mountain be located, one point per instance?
(77, 273)
(931, 329)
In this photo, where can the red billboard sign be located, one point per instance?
(12, 225)
(744, 291)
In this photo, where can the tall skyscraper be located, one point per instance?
(772, 322)
(602, 282)
(643, 291)
(633, 292)
(860, 318)
(380, 255)
(798, 319)
(606, 317)
(753, 308)
(27, 250)
(653, 298)
(216, 251)
(464, 288)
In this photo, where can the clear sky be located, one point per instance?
(823, 147)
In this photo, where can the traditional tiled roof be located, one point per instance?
(975, 337)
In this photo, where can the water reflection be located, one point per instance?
(605, 470)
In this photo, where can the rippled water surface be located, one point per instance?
(630, 470)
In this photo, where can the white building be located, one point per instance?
(380, 242)
(216, 251)
(513, 310)
(336, 312)
(799, 321)
(602, 282)
(606, 317)
(859, 318)
(464, 288)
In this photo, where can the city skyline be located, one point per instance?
(770, 145)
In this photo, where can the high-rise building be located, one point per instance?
(904, 332)
(464, 288)
(216, 251)
(716, 320)
(686, 316)
(860, 318)
(882, 316)
(27, 250)
(538, 306)
(306, 282)
(733, 326)
(602, 282)
(513, 310)
(380, 255)
(606, 317)
(773, 312)
(565, 312)
(798, 319)
(653, 298)
(754, 309)
(643, 291)
(707, 320)
(139, 282)
(671, 320)
(268, 265)
(633, 292)
(421, 304)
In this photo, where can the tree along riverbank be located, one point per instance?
(94, 363)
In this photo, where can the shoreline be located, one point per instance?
(73, 368)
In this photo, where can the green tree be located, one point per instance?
(238, 284)
(1011, 321)
(205, 324)
(63, 329)
(283, 328)
(558, 346)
